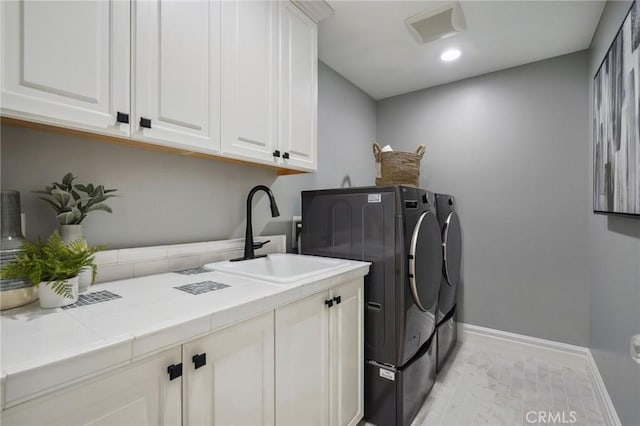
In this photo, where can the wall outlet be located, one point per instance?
(296, 229)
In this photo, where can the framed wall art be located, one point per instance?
(616, 124)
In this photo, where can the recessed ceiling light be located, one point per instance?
(450, 55)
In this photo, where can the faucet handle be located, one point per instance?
(260, 244)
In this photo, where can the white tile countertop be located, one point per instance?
(44, 349)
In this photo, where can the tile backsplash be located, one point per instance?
(136, 262)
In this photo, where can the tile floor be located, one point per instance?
(487, 383)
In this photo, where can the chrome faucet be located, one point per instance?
(249, 245)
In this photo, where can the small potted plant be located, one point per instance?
(53, 266)
(73, 202)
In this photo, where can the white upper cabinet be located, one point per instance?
(249, 78)
(67, 63)
(176, 73)
(270, 84)
(234, 78)
(298, 88)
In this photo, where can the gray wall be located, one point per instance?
(614, 267)
(346, 131)
(168, 198)
(510, 147)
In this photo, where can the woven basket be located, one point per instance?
(398, 168)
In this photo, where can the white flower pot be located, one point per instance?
(84, 278)
(70, 233)
(50, 299)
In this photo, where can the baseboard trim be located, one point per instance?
(609, 411)
(469, 331)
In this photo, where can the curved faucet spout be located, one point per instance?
(248, 237)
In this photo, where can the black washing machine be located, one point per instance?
(447, 327)
(396, 229)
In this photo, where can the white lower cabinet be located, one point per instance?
(140, 394)
(301, 364)
(346, 344)
(235, 386)
(319, 358)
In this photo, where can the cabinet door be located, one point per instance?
(176, 73)
(66, 63)
(347, 355)
(249, 79)
(236, 385)
(140, 394)
(298, 88)
(302, 362)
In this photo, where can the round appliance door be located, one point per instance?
(452, 249)
(425, 261)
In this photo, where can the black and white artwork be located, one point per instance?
(616, 124)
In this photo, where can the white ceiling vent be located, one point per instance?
(438, 23)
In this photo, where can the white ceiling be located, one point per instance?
(368, 43)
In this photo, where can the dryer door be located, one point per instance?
(425, 262)
(451, 249)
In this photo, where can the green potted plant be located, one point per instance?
(73, 202)
(53, 266)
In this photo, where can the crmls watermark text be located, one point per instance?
(551, 417)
